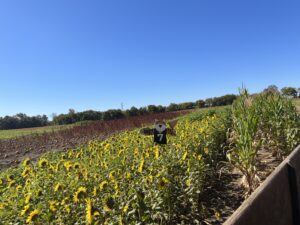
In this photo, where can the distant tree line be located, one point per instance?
(73, 117)
(21, 120)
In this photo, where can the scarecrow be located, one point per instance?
(159, 131)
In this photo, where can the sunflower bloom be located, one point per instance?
(43, 163)
(156, 152)
(217, 215)
(79, 194)
(76, 165)
(11, 183)
(206, 150)
(27, 198)
(163, 182)
(103, 185)
(68, 165)
(32, 216)
(108, 204)
(18, 188)
(53, 205)
(58, 187)
(199, 157)
(89, 215)
(10, 177)
(94, 191)
(150, 178)
(125, 209)
(111, 175)
(121, 220)
(67, 208)
(184, 155)
(188, 182)
(25, 172)
(136, 152)
(26, 162)
(140, 169)
(107, 147)
(96, 213)
(25, 210)
(147, 153)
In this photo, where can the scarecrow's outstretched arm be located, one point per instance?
(172, 124)
(171, 131)
(147, 131)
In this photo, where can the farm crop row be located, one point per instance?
(265, 122)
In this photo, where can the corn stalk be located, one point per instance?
(245, 139)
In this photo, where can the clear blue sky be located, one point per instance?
(59, 54)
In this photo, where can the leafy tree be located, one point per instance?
(113, 114)
(21, 120)
(271, 89)
(172, 107)
(133, 111)
(208, 102)
(161, 108)
(186, 105)
(143, 111)
(289, 91)
(89, 115)
(223, 100)
(152, 109)
(200, 104)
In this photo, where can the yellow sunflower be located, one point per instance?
(125, 209)
(206, 150)
(108, 204)
(11, 183)
(19, 188)
(79, 194)
(27, 198)
(26, 172)
(163, 182)
(26, 162)
(156, 152)
(43, 163)
(103, 185)
(68, 165)
(32, 216)
(184, 155)
(76, 165)
(10, 177)
(94, 191)
(58, 187)
(25, 210)
(89, 213)
(140, 169)
(53, 206)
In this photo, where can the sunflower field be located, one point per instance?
(125, 179)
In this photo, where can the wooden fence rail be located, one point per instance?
(277, 200)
